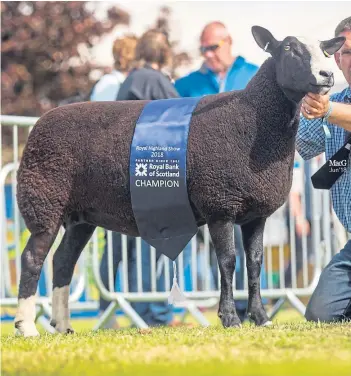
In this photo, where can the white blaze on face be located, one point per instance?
(319, 62)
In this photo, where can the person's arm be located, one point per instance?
(341, 115)
(316, 106)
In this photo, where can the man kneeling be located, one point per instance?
(331, 301)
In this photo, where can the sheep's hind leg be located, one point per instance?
(222, 234)
(32, 260)
(253, 244)
(65, 259)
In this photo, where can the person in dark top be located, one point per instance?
(106, 89)
(147, 80)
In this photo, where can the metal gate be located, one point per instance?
(292, 266)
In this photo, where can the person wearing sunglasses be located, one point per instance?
(221, 71)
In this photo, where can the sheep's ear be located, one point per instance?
(265, 39)
(329, 47)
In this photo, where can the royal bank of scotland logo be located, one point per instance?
(141, 169)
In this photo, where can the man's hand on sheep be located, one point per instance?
(315, 105)
(318, 106)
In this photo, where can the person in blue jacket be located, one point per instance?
(221, 71)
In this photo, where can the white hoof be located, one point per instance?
(26, 329)
(268, 323)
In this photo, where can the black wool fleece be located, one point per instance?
(239, 160)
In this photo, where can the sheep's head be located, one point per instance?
(300, 64)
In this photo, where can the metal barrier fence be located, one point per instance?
(292, 265)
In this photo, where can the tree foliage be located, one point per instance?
(44, 52)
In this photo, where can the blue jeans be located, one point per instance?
(331, 300)
(153, 313)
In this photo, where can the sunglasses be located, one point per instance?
(211, 47)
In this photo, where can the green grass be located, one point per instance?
(287, 348)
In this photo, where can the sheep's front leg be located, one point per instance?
(222, 234)
(253, 244)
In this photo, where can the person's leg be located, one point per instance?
(241, 305)
(298, 262)
(214, 267)
(331, 300)
(165, 308)
(188, 273)
(116, 257)
(141, 308)
(161, 313)
(205, 269)
(200, 260)
(153, 313)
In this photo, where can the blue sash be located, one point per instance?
(158, 175)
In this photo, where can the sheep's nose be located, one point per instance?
(326, 74)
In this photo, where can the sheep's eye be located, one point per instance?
(287, 47)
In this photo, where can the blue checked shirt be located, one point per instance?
(312, 141)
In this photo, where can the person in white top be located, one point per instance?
(107, 88)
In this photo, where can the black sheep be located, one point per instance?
(75, 172)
